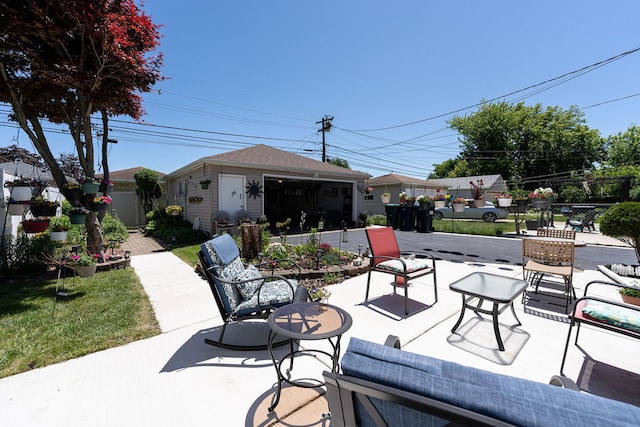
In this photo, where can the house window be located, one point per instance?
(368, 196)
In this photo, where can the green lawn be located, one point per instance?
(103, 311)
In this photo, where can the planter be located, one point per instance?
(98, 207)
(458, 207)
(204, 185)
(425, 206)
(35, 226)
(478, 203)
(85, 270)
(175, 213)
(504, 203)
(522, 202)
(630, 300)
(21, 193)
(385, 199)
(16, 208)
(77, 219)
(539, 203)
(43, 210)
(439, 203)
(90, 187)
(58, 236)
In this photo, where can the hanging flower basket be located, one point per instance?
(539, 203)
(58, 236)
(35, 226)
(77, 218)
(458, 207)
(41, 210)
(98, 207)
(504, 202)
(90, 187)
(439, 203)
(21, 193)
(385, 198)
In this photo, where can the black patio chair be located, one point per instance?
(242, 292)
(586, 222)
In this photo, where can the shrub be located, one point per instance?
(114, 229)
(623, 221)
(573, 194)
(26, 255)
(378, 219)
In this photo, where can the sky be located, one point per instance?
(390, 73)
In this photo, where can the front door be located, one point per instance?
(231, 193)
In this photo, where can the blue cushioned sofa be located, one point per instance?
(382, 385)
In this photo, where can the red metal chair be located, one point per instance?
(386, 257)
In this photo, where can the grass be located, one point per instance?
(103, 311)
(188, 254)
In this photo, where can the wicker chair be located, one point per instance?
(555, 233)
(540, 257)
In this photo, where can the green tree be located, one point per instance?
(528, 142)
(623, 149)
(339, 162)
(68, 62)
(148, 189)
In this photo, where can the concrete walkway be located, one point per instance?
(176, 379)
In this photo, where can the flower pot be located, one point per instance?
(385, 199)
(77, 219)
(85, 270)
(58, 236)
(504, 202)
(630, 300)
(21, 193)
(35, 226)
(539, 203)
(98, 207)
(439, 203)
(522, 202)
(16, 208)
(204, 185)
(478, 203)
(458, 207)
(40, 210)
(74, 196)
(90, 187)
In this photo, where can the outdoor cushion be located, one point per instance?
(514, 400)
(248, 289)
(614, 315)
(275, 293)
(412, 265)
(225, 247)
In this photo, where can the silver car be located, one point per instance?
(488, 213)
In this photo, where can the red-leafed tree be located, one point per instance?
(71, 61)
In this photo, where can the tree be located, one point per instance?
(623, 221)
(339, 162)
(518, 141)
(13, 152)
(148, 188)
(70, 61)
(624, 148)
(69, 164)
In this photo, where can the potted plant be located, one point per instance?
(205, 184)
(84, 264)
(58, 228)
(99, 204)
(20, 189)
(385, 198)
(35, 225)
(78, 215)
(40, 206)
(173, 210)
(90, 185)
(504, 199)
(319, 294)
(424, 202)
(73, 192)
(631, 295)
(403, 197)
(439, 199)
(459, 204)
(541, 198)
(195, 199)
(368, 190)
(477, 193)
(14, 208)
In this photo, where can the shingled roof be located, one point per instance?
(395, 179)
(264, 157)
(124, 175)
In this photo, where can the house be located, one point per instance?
(394, 184)
(461, 187)
(262, 180)
(125, 203)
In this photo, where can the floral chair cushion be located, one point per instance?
(248, 289)
(412, 265)
(273, 294)
(612, 315)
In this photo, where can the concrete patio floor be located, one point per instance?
(176, 379)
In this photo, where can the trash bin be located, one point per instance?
(406, 218)
(392, 215)
(424, 220)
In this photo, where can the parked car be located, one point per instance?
(488, 213)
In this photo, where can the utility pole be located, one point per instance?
(326, 127)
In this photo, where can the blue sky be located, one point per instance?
(247, 72)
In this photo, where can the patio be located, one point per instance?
(176, 379)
